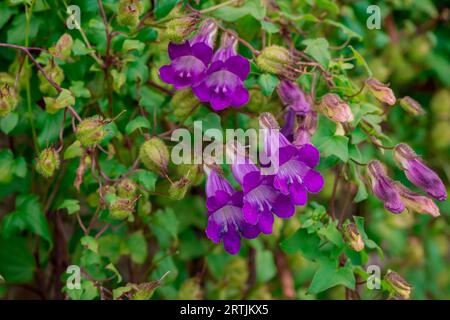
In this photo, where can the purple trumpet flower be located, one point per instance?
(225, 220)
(418, 173)
(223, 85)
(294, 173)
(260, 197)
(191, 58)
(384, 188)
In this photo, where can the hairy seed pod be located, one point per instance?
(126, 188)
(129, 12)
(178, 189)
(91, 131)
(154, 154)
(48, 162)
(121, 209)
(180, 27)
(8, 100)
(55, 73)
(277, 60)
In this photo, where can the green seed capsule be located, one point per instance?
(48, 162)
(129, 12)
(121, 209)
(127, 189)
(91, 131)
(154, 154)
(8, 100)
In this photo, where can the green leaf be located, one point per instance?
(346, 30)
(268, 83)
(8, 123)
(329, 275)
(72, 205)
(17, 263)
(7, 12)
(211, 121)
(335, 145)
(359, 221)
(80, 49)
(306, 243)
(332, 234)
(318, 49)
(28, 216)
(163, 7)
(116, 272)
(137, 247)
(90, 243)
(265, 266)
(74, 150)
(361, 61)
(79, 90)
(251, 7)
(129, 45)
(167, 220)
(269, 26)
(145, 178)
(137, 123)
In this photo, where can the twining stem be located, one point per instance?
(217, 6)
(28, 11)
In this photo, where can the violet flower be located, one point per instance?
(418, 173)
(260, 197)
(294, 174)
(223, 85)
(190, 59)
(384, 188)
(225, 220)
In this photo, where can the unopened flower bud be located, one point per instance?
(47, 162)
(306, 128)
(183, 102)
(126, 188)
(411, 106)
(418, 173)
(154, 154)
(64, 100)
(190, 290)
(179, 28)
(353, 237)
(398, 285)
(91, 131)
(129, 12)
(293, 97)
(277, 60)
(121, 209)
(381, 91)
(335, 108)
(63, 47)
(416, 202)
(383, 187)
(178, 189)
(8, 100)
(55, 73)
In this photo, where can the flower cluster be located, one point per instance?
(265, 193)
(217, 77)
(397, 197)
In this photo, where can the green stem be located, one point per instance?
(217, 6)
(28, 11)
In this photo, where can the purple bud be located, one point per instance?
(417, 202)
(293, 97)
(383, 187)
(418, 173)
(306, 128)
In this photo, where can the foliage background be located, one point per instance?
(40, 234)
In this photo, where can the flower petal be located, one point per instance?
(213, 230)
(232, 241)
(203, 52)
(240, 97)
(202, 92)
(250, 232)
(299, 194)
(178, 50)
(166, 74)
(249, 214)
(309, 155)
(219, 101)
(239, 66)
(313, 181)
(265, 222)
(283, 207)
